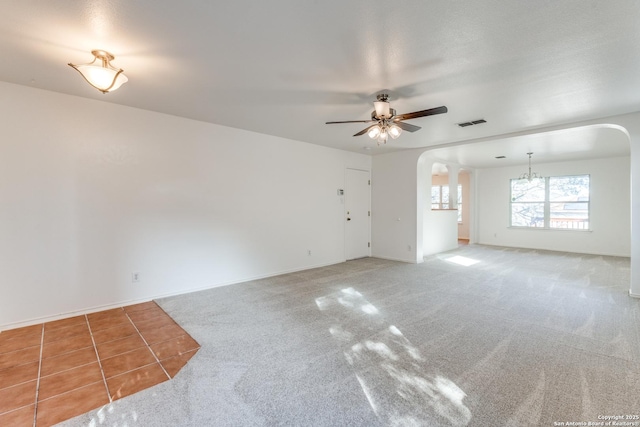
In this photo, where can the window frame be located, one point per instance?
(547, 202)
(441, 203)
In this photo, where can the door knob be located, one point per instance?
(348, 219)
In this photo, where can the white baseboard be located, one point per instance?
(248, 279)
(45, 319)
(555, 250)
(632, 295)
(408, 261)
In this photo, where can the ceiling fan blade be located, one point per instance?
(423, 113)
(351, 121)
(363, 131)
(407, 126)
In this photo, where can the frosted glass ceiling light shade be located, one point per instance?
(382, 109)
(395, 131)
(100, 74)
(382, 138)
(374, 132)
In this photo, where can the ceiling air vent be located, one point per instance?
(472, 122)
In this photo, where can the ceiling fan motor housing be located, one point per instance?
(382, 109)
(375, 116)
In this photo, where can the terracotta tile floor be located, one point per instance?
(57, 370)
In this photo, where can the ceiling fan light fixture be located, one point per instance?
(100, 74)
(374, 132)
(383, 111)
(384, 135)
(387, 123)
(395, 131)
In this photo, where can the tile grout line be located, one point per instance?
(147, 344)
(95, 348)
(70, 391)
(134, 369)
(69, 369)
(35, 404)
(138, 348)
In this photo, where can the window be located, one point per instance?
(436, 190)
(555, 202)
(440, 198)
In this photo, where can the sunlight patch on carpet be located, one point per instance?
(461, 260)
(396, 380)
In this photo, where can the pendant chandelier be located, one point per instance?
(529, 176)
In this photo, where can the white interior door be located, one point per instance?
(357, 214)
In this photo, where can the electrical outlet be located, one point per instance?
(135, 277)
(309, 252)
(409, 248)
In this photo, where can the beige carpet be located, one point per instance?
(479, 336)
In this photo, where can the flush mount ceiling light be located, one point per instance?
(100, 74)
(529, 176)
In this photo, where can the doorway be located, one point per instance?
(357, 214)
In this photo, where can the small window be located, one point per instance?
(440, 198)
(436, 197)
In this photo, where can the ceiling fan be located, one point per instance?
(387, 123)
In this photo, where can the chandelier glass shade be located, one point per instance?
(395, 131)
(100, 74)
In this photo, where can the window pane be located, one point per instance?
(527, 214)
(459, 213)
(459, 194)
(569, 188)
(523, 190)
(435, 197)
(574, 215)
(445, 195)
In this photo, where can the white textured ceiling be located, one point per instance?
(285, 67)
(588, 142)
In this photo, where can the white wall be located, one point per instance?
(610, 218)
(440, 231)
(632, 125)
(91, 192)
(394, 203)
(464, 181)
